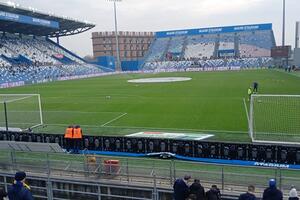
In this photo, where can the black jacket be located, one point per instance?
(293, 198)
(18, 192)
(247, 196)
(213, 194)
(198, 190)
(272, 193)
(181, 190)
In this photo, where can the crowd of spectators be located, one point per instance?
(183, 190)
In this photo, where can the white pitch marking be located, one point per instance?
(114, 119)
(246, 109)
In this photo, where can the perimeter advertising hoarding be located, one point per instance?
(7, 16)
(215, 30)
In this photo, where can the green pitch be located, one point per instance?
(212, 102)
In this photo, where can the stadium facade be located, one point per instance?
(133, 45)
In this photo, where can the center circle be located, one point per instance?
(160, 80)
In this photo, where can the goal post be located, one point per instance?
(275, 119)
(20, 111)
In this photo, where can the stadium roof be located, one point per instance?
(29, 21)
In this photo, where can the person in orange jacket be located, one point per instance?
(69, 138)
(77, 138)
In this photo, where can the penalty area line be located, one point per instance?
(114, 119)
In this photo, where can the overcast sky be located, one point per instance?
(158, 15)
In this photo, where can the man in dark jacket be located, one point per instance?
(272, 193)
(213, 193)
(3, 194)
(248, 195)
(181, 188)
(19, 190)
(198, 190)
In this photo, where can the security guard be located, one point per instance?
(69, 137)
(249, 93)
(77, 137)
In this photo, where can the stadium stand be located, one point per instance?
(236, 46)
(28, 55)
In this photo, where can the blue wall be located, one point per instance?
(106, 61)
(130, 65)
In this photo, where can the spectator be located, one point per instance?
(3, 194)
(181, 188)
(77, 138)
(19, 190)
(198, 190)
(249, 195)
(293, 194)
(213, 193)
(272, 193)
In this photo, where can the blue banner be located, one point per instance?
(7, 16)
(215, 30)
(202, 160)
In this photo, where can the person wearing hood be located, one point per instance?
(249, 195)
(19, 190)
(293, 195)
(213, 194)
(181, 188)
(272, 193)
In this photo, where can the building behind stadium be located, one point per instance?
(133, 45)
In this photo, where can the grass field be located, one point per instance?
(210, 102)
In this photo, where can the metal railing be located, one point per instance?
(149, 176)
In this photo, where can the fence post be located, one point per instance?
(222, 170)
(280, 179)
(171, 171)
(13, 159)
(127, 170)
(99, 192)
(154, 187)
(48, 165)
(5, 183)
(174, 170)
(49, 183)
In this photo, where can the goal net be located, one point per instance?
(20, 111)
(275, 119)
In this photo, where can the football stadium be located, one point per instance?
(218, 104)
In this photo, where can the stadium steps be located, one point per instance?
(148, 53)
(236, 46)
(163, 56)
(66, 50)
(217, 47)
(184, 45)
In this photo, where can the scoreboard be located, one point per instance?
(281, 52)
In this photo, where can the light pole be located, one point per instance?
(283, 24)
(118, 67)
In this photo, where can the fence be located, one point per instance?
(152, 178)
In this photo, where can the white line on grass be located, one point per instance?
(79, 112)
(151, 128)
(114, 119)
(246, 109)
(13, 100)
(176, 129)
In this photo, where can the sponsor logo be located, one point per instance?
(164, 135)
(262, 164)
